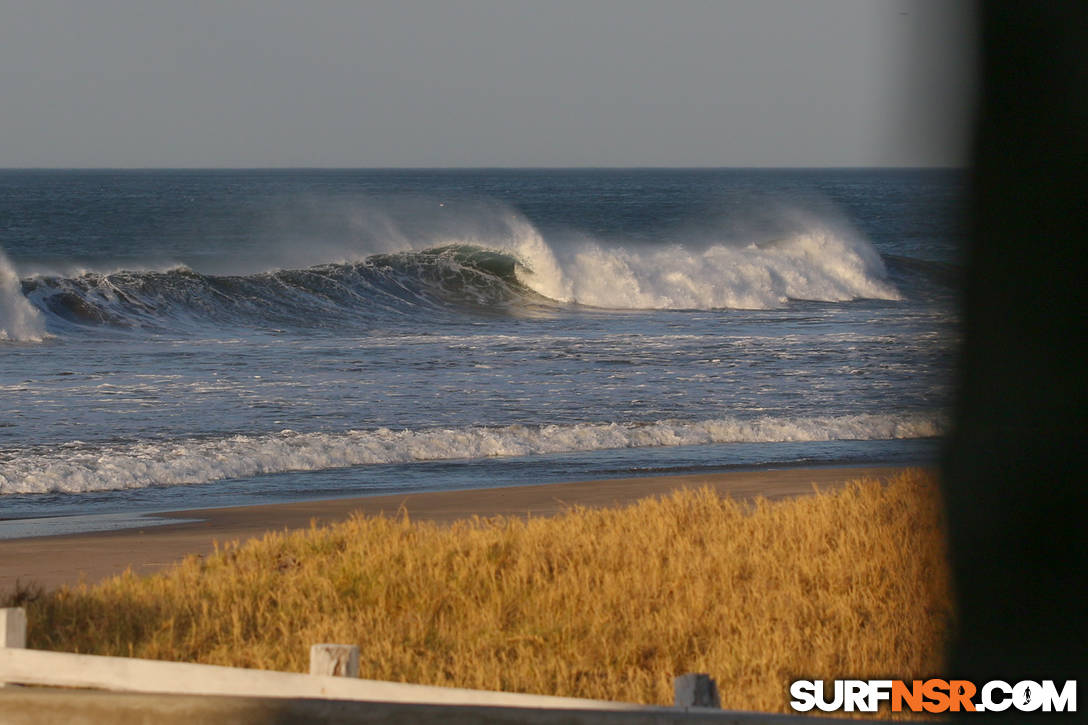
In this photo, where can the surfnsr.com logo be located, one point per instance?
(934, 696)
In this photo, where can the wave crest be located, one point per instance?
(443, 278)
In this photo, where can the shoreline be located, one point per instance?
(64, 559)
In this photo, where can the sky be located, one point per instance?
(478, 83)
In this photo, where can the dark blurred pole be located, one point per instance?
(1014, 470)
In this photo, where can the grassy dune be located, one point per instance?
(595, 603)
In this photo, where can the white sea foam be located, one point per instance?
(19, 320)
(77, 468)
(821, 263)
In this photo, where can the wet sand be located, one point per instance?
(52, 561)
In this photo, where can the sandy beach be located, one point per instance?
(52, 561)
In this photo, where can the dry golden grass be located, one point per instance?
(607, 604)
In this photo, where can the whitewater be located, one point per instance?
(189, 338)
(79, 468)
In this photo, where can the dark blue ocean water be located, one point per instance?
(173, 339)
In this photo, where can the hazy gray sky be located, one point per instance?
(147, 83)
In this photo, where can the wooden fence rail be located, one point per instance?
(122, 674)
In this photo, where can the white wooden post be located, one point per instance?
(696, 690)
(338, 660)
(12, 629)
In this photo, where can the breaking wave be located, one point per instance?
(19, 320)
(818, 263)
(503, 272)
(78, 468)
(449, 277)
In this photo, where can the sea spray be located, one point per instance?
(20, 321)
(86, 467)
(818, 264)
(538, 270)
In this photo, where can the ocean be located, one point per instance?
(184, 339)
